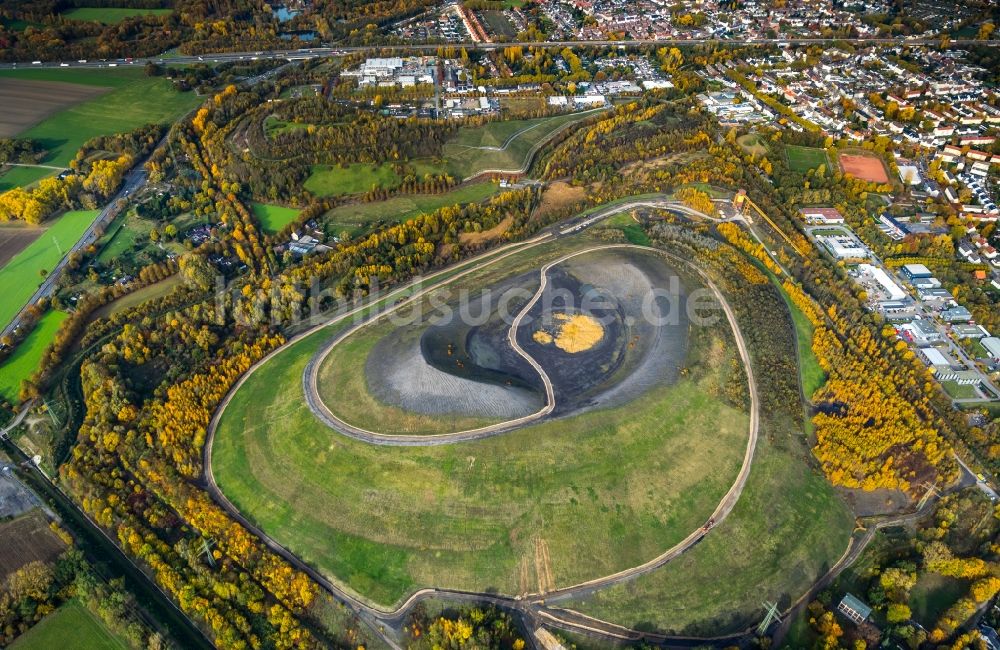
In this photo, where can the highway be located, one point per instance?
(133, 180)
(331, 50)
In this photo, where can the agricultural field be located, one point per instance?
(866, 166)
(273, 217)
(802, 159)
(506, 145)
(23, 176)
(15, 237)
(356, 219)
(129, 99)
(22, 274)
(111, 15)
(356, 178)
(27, 538)
(526, 510)
(28, 101)
(22, 363)
(70, 626)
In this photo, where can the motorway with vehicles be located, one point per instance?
(133, 181)
(333, 50)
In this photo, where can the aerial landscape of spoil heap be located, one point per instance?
(499, 324)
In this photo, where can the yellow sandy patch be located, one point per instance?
(543, 337)
(573, 333)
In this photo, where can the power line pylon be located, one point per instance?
(931, 491)
(206, 550)
(770, 617)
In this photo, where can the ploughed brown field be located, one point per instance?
(14, 239)
(27, 102)
(867, 168)
(27, 539)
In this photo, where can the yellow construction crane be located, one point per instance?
(742, 198)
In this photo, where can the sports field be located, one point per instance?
(503, 145)
(547, 505)
(327, 180)
(273, 217)
(21, 365)
(70, 626)
(134, 100)
(111, 15)
(867, 167)
(802, 159)
(358, 218)
(22, 275)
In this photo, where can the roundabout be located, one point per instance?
(637, 458)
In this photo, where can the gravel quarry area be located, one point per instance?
(400, 374)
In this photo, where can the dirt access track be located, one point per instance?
(27, 102)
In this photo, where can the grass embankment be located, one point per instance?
(70, 626)
(496, 145)
(810, 372)
(356, 178)
(134, 100)
(358, 218)
(22, 275)
(111, 15)
(787, 529)
(22, 363)
(541, 506)
(273, 217)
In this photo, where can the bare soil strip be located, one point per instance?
(27, 102)
(14, 239)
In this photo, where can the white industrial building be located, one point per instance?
(892, 290)
(992, 345)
